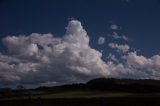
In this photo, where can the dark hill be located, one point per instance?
(112, 84)
(126, 85)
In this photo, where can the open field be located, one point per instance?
(97, 92)
(84, 94)
(84, 98)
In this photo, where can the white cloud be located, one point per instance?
(41, 59)
(125, 38)
(142, 62)
(144, 67)
(112, 57)
(116, 36)
(122, 48)
(114, 27)
(101, 40)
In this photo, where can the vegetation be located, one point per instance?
(97, 92)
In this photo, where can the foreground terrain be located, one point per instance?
(84, 98)
(97, 92)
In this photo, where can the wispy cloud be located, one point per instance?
(116, 36)
(112, 57)
(122, 48)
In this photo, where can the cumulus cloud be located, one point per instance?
(142, 66)
(116, 36)
(112, 57)
(142, 62)
(115, 27)
(122, 48)
(125, 38)
(101, 40)
(42, 59)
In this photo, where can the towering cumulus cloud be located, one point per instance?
(40, 59)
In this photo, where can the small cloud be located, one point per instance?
(116, 36)
(101, 40)
(123, 48)
(125, 38)
(112, 57)
(102, 51)
(114, 27)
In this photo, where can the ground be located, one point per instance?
(82, 98)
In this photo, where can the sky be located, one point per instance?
(53, 42)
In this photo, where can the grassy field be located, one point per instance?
(84, 98)
(84, 94)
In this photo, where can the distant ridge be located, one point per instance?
(111, 84)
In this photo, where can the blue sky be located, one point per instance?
(137, 20)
